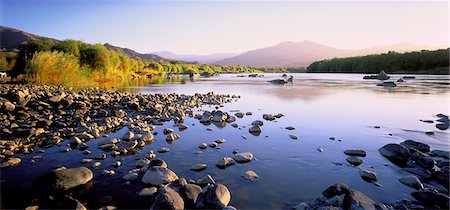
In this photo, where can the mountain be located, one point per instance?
(11, 38)
(303, 53)
(133, 54)
(210, 58)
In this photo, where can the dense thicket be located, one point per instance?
(392, 62)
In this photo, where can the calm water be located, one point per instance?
(319, 106)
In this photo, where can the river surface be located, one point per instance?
(319, 106)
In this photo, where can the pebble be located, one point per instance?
(290, 128)
(293, 137)
(243, 157)
(203, 146)
(354, 160)
(250, 175)
(163, 150)
(368, 176)
(224, 162)
(199, 167)
(130, 176)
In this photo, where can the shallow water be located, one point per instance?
(319, 106)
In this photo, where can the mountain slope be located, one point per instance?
(210, 58)
(11, 38)
(133, 54)
(306, 52)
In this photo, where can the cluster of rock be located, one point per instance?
(47, 115)
(430, 169)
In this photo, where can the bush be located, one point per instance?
(57, 68)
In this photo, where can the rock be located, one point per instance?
(189, 193)
(116, 164)
(98, 156)
(387, 84)
(142, 162)
(206, 180)
(243, 157)
(158, 162)
(398, 154)
(442, 126)
(157, 175)
(420, 172)
(168, 199)
(320, 149)
(203, 146)
(412, 181)
(220, 141)
(382, 76)
(172, 137)
(441, 153)
(128, 136)
(337, 189)
(355, 152)
(212, 144)
(293, 137)
(368, 176)
(163, 150)
(108, 172)
(87, 160)
(416, 145)
(224, 162)
(10, 162)
(214, 197)
(199, 167)
(63, 179)
(239, 114)
(218, 116)
(96, 164)
(250, 175)
(426, 162)
(357, 200)
(257, 123)
(9, 106)
(430, 199)
(301, 206)
(255, 130)
(150, 191)
(354, 160)
(131, 176)
(290, 128)
(167, 131)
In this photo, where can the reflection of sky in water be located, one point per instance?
(317, 105)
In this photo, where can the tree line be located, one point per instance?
(424, 61)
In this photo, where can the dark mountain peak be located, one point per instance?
(11, 38)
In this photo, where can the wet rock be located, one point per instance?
(168, 199)
(9, 106)
(218, 116)
(250, 175)
(189, 193)
(257, 123)
(243, 157)
(167, 131)
(337, 189)
(206, 180)
(368, 176)
(172, 137)
(150, 191)
(63, 179)
(157, 175)
(158, 162)
(214, 197)
(355, 152)
(430, 199)
(416, 145)
(199, 167)
(426, 162)
(239, 114)
(220, 141)
(212, 144)
(290, 128)
(163, 150)
(420, 172)
(357, 200)
(10, 162)
(320, 149)
(96, 164)
(128, 136)
(412, 181)
(224, 162)
(203, 146)
(255, 130)
(442, 126)
(108, 172)
(142, 162)
(293, 137)
(354, 160)
(131, 176)
(398, 154)
(440, 153)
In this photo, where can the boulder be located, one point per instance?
(357, 200)
(63, 179)
(243, 157)
(10, 162)
(189, 193)
(416, 145)
(168, 199)
(368, 176)
(337, 189)
(412, 181)
(214, 197)
(430, 199)
(224, 162)
(157, 175)
(354, 160)
(398, 154)
(355, 152)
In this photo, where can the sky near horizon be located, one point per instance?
(203, 27)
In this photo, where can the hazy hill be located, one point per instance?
(210, 58)
(11, 38)
(306, 52)
(134, 54)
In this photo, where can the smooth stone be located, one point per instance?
(63, 179)
(354, 160)
(199, 167)
(250, 175)
(293, 137)
(168, 199)
(157, 162)
(431, 199)
(212, 144)
(357, 200)
(442, 126)
(355, 152)
(441, 153)
(243, 157)
(167, 131)
(426, 162)
(220, 141)
(214, 197)
(189, 193)
(128, 136)
(158, 175)
(396, 153)
(336, 189)
(368, 176)
(420, 172)
(258, 123)
(224, 162)
(206, 180)
(10, 162)
(255, 130)
(416, 145)
(149, 191)
(108, 172)
(142, 162)
(163, 150)
(412, 181)
(320, 149)
(172, 137)
(290, 128)
(96, 164)
(203, 146)
(130, 176)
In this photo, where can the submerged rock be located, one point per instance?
(157, 175)
(337, 189)
(354, 160)
(63, 179)
(243, 157)
(357, 200)
(398, 154)
(355, 152)
(368, 176)
(250, 175)
(412, 181)
(199, 167)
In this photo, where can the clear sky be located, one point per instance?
(231, 26)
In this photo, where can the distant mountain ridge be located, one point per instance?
(209, 58)
(292, 54)
(133, 54)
